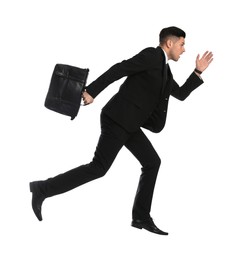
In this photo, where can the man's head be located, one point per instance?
(172, 40)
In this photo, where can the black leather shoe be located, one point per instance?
(37, 198)
(148, 225)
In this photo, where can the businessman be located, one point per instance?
(141, 102)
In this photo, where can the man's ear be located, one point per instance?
(169, 43)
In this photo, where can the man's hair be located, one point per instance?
(170, 31)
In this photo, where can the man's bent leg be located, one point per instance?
(143, 150)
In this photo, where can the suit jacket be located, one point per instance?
(142, 99)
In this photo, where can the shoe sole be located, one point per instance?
(140, 227)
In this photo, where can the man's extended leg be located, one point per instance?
(111, 140)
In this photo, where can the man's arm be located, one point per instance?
(194, 79)
(185, 90)
(144, 60)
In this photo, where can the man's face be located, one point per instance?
(177, 47)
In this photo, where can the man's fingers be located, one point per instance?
(87, 99)
(207, 56)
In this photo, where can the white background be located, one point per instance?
(198, 196)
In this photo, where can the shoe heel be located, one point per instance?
(136, 225)
(30, 185)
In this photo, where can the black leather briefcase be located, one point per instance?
(65, 90)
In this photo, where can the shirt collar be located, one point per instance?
(166, 57)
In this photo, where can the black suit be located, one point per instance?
(141, 102)
(143, 98)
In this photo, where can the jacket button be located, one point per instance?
(164, 111)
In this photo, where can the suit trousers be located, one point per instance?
(113, 137)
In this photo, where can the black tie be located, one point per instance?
(166, 69)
